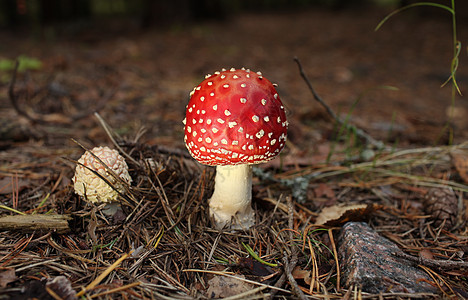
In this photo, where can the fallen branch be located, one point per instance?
(359, 132)
(30, 223)
(434, 263)
(14, 98)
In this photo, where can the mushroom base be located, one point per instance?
(230, 204)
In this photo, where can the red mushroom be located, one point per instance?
(234, 119)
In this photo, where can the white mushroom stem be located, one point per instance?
(230, 204)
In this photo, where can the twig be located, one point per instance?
(359, 132)
(109, 133)
(14, 98)
(434, 263)
(288, 267)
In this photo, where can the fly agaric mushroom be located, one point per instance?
(93, 188)
(234, 119)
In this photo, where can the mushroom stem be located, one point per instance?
(230, 204)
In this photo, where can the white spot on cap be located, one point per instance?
(235, 155)
(214, 129)
(208, 140)
(235, 143)
(200, 139)
(194, 134)
(184, 121)
(259, 73)
(266, 119)
(243, 100)
(260, 134)
(189, 129)
(226, 86)
(255, 118)
(203, 130)
(264, 102)
(190, 110)
(194, 121)
(202, 148)
(251, 147)
(232, 69)
(227, 112)
(221, 121)
(276, 96)
(232, 124)
(200, 121)
(223, 76)
(278, 119)
(243, 84)
(203, 111)
(224, 142)
(273, 141)
(240, 129)
(202, 98)
(244, 147)
(210, 83)
(208, 121)
(211, 94)
(215, 107)
(215, 144)
(235, 77)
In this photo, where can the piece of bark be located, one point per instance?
(30, 223)
(368, 260)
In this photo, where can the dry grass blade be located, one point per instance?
(101, 277)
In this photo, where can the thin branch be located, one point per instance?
(14, 98)
(288, 268)
(111, 136)
(434, 263)
(359, 132)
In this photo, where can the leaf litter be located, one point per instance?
(161, 244)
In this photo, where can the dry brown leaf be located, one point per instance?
(460, 161)
(337, 215)
(323, 190)
(221, 286)
(426, 253)
(299, 273)
(7, 275)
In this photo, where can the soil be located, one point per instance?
(387, 83)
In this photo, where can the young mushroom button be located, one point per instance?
(234, 119)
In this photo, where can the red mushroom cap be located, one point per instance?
(235, 117)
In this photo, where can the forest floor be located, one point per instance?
(388, 83)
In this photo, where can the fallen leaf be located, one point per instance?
(299, 273)
(222, 286)
(7, 275)
(426, 253)
(9, 185)
(460, 161)
(324, 191)
(254, 267)
(61, 286)
(337, 215)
